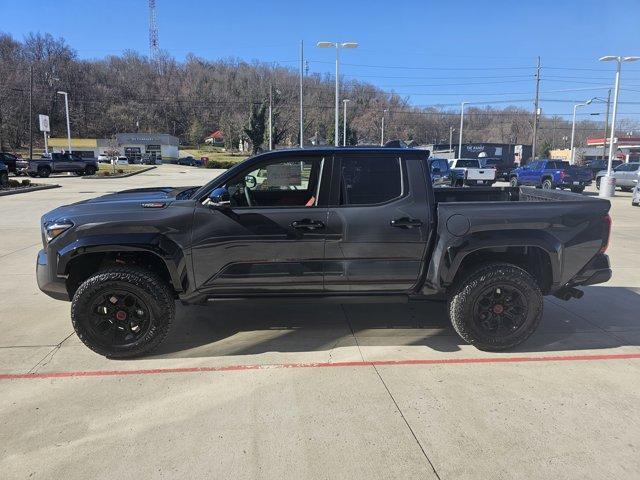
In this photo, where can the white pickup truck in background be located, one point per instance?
(469, 171)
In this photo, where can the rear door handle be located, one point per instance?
(406, 222)
(307, 224)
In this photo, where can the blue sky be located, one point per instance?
(433, 52)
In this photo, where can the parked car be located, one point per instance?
(440, 172)
(9, 160)
(120, 161)
(549, 174)
(598, 165)
(626, 176)
(469, 171)
(323, 225)
(104, 158)
(503, 167)
(4, 175)
(189, 161)
(61, 162)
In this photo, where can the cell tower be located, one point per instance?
(154, 48)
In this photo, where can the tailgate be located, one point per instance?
(481, 173)
(577, 174)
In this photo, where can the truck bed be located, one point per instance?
(572, 228)
(510, 194)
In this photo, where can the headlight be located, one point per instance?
(54, 229)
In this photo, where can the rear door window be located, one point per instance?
(370, 180)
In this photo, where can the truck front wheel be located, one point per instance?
(122, 312)
(514, 181)
(547, 184)
(496, 307)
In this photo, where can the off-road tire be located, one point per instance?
(598, 183)
(468, 291)
(4, 179)
(142, 283)
(44, 172)
(513, 181)
(89, 170)
(577, 189)
(547, 184)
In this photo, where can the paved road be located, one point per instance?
(313, 391)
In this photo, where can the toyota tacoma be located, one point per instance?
(321, 225)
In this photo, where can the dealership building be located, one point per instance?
(507, 152)
(134, 146)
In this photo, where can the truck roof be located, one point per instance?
(327, 150)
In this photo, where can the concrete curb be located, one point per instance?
(27, 190)
(123, 175)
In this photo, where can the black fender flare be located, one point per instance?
(167, 251)
(452, 256)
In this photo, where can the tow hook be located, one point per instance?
(568, 293)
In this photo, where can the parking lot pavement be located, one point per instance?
(316, 391)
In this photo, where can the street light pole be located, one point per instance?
(301, 93)
(338, 46)
(461, 126)
(451, 129)
(606, 127)
(573, 129)
(607, 183)
(66, 107)
(344, 122)
(270, 117)
(382, 130)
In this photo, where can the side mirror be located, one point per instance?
(250, 181)
(220, 198)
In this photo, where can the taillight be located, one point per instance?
(606, 233)
(563, 174)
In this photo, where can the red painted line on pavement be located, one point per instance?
(377, 363)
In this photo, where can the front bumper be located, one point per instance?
(598, 270)
(48, 280)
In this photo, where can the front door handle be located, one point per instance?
(406, 222)
(307, 224)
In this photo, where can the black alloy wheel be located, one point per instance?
(118, 318)
(500, 309)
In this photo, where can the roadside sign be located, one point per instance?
(44, 123)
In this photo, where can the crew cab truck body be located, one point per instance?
(469, 171)
(58, 163)
(549, 174)
(332, 224)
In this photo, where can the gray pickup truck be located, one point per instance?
(57, 163)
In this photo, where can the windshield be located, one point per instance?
(467, 164)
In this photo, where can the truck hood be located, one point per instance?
(119, 203)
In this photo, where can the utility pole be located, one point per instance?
(30, 111)
(301, 78)
(606, 127)
(450, 138)
(270, 117)
(535, 112)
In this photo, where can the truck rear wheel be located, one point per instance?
(89, 170)
(547, 184)
(496, 307)
(122, 312)
(514, 181)
(44, 172)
